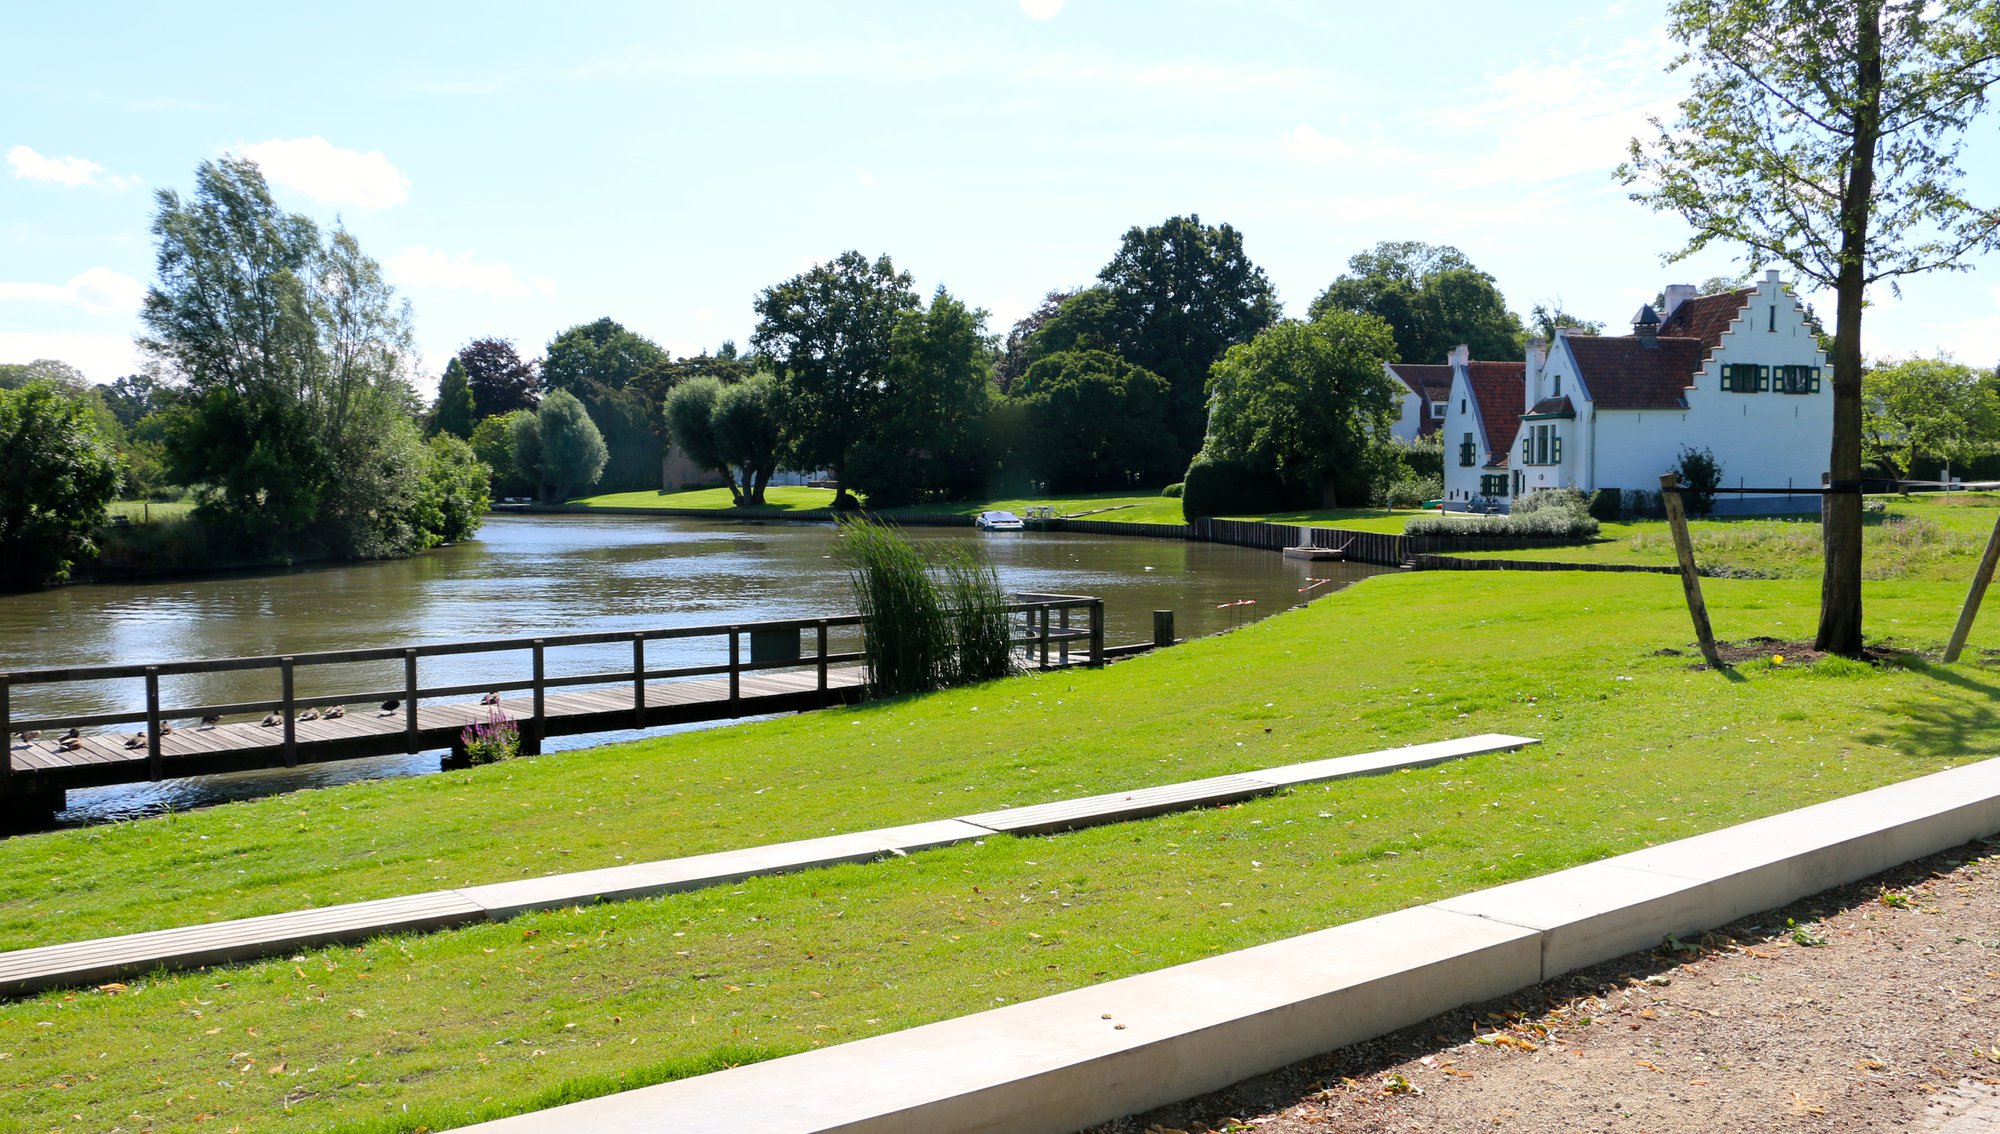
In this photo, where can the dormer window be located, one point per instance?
(1437, 411)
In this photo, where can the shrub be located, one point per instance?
(1412, 491)
(1553, 521)
(1605, 505)
(1640, 502)
(1173, 490)
(491, 741)
(1215, 487)
(1568, 500)
(1698, 473)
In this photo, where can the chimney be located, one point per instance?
(1672, 298)
(1460, 355)
(1646, 326)
(1538, 354)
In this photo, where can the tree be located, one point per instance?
(572, 450)
(63, 376)
(493, 444)
(524, 440)
(1182, 293)
(454, 497)
(56, 478)
(133, 397)
(1929, 408)
(292, 350)
(749, 430)
(456, 410)
(605, 352)
(1014, 357)
(1310, 405)
(1431, 295)
(601, 363)
(1824, 135)
(1547, 319)
(1699, 474)
(829, 330)
(690, 417)
(1089, 420)
(500, 382)
(924, 442)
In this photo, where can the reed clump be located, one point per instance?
(932, 621)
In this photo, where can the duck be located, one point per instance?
(390, 706)
(166, 728)
(309, 715)
(136, 740)
(73, 734)
(490, 699)
(27, 735)
(335, 712)
(70, 743)
(211, 720)
(272, 719)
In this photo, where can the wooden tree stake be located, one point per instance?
(1973, 597)
(1670, 495)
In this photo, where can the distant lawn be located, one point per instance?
(776, 500)
(142, 511)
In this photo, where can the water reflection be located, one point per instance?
(554, 575)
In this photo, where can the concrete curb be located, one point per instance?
(1064, 1062)
(25, 971)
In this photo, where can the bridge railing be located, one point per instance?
(1046, 638)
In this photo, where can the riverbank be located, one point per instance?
(1640, 746)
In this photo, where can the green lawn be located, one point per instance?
(141, 511)
(1640, 748)
(776, 500)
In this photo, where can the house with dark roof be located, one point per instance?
(1738, 373)
(1482, 416)
(1425, 388)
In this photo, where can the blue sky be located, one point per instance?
(521, 168)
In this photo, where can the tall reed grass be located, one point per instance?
(932, 621)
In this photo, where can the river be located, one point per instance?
(528, 575)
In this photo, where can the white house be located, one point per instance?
(1424, 388)
(1738, 373)
(1482, 415)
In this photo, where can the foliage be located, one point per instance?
(454, 496)
(572, 452)
(689, 412)
(1929, 409)
(1087, 319)
(1219, 487)
(493, 443)
(732, 429)
(1548, 522)
(1607, 505)
(924, 442)
(500, 382)
(1014, 350)
(492, 740)
(524, 440)
(603, 353)
(1825, 136)
(57, 476)
(1309, 404)
(931, 621)
(830, 330)
(454, 412)
(60, 374)
(1432, 297)
(292, 348)
(1180, 293)
(1086, 421)
(1412, 491)
(1173, 491)
(1699, 474)
(1546, 319)
(135, 396)
(1422, 456)
(603, 364)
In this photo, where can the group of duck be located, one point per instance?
(73, 739)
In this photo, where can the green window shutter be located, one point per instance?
(1763, 378)
(1815, 380)
(1555, 450)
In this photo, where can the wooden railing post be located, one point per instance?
(1045, 635)
(291, 723)
(7, 734)
(638, 680)
(155, 767)
(540, 676)
(1062, 648)
(410, 701)
(820, 660)
(735, 665)
(1097, 633)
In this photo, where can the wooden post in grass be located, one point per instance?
(1975, 595)
(1670, 495)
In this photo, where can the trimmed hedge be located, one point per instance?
(1214, 488)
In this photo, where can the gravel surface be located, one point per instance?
(1872, 1007)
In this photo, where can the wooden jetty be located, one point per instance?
(790, 666)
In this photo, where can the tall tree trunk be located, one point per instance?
(1840, 586)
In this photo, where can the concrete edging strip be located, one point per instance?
(26, 971)
(1063, 1062)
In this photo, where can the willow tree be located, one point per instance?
(1824, 135)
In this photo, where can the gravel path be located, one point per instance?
(1872, 1007)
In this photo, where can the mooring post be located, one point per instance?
(291, 723)
(821, 660)
(1163, 629)
(1975, 595)
(735, 665)
(540, 676)
(1097, 633)
(410, 701)
(1670, 495)
(638, 680)
(155, 767)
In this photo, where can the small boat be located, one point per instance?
(997, 521)
(1315, 553)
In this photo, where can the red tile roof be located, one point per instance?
(1705, 317)
(1625, 373)
(1499, 388)
(1432, 383)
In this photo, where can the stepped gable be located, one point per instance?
(1498, 387)
(1626, 372)
(1705, 317)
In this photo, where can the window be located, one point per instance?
(1745, 378)
(1556, 390)
(1461, 405)
(1541, 446)
(1774, 320)
(1493, 484)
(1467, 452)
(1437, 410)
(1795, 379)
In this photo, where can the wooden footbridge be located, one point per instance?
(791, 665)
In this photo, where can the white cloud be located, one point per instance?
(71, 171)
(418, 266)
(102, 358)
(1041, 9)
(99, 291)
(867, 179)
(1308, 144)
(329, 174)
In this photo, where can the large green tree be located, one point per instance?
(924, 443)
(500, 381)
(1431, 296)
(1309, 405)
(1087, 420)
(1182, 292)
(1931, 409)
(455, 411)
(293, 353)
(601, 364)
(57, 475)
(830, 332)
(573, 454)
(1825, 135)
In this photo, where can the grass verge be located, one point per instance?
(1640, 747)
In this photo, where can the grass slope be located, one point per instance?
(426, 1032)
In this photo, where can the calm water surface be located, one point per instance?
(557, 575)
